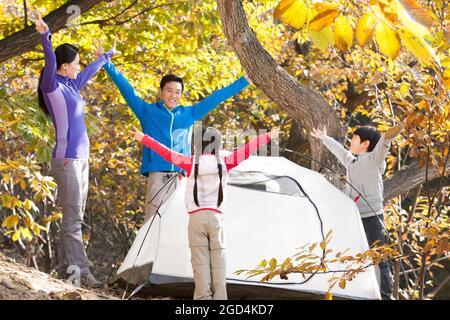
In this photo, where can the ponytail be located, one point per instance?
(212, 144)
(41, 100)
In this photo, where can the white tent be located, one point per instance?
(272, 208)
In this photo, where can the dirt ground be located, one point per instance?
(19, 282)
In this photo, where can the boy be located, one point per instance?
(365, 166)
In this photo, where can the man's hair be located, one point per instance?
(169, 78)
(370, 134)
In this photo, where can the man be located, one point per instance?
(169, 123)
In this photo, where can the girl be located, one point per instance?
(205, 194)
(59, 97)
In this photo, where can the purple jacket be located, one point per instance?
(65, 104)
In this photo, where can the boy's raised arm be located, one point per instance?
(382, 148)
(343, 155)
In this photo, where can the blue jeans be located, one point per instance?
(373, 226)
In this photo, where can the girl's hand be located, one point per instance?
(41, 26)
(274, 133)
(316, 133)
(138, 135)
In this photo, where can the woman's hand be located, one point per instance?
(41, 26)
(316, 133)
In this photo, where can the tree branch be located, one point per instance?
(409, 178)
(27, 38)
(118, 23)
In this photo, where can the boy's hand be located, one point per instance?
(41, 26)
(274, 133)
(316, 133)
(138, 135)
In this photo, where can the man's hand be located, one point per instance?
(316, 133)
(98, 45)
(98, 48)
(41, 26)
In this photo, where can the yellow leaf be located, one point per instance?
(26, 233)
(404, 89)
(322, 39)
(418, 13)
(10, 222)
(273, 263)
(342, 283)
(365, 27)
(419, 49)
(323, 19)
(22, 185)
(387, 40)
(42, 228)
(447, 83)
(16, 236)
(27, 205)
(328, 296)
(410, 24)
(381, 15)
(285, 263)
(292, 12)
(343, 33)
(6, 177)
(446, 73)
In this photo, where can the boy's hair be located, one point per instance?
(169, 78)
(370, 134)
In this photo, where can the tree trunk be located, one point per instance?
(27, 39)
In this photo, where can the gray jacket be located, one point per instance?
(365, 173)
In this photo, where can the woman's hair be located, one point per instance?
(211, 140)
(370, 134)
(65, 53)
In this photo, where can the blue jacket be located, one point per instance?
(173, 128)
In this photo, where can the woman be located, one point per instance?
(59, 97)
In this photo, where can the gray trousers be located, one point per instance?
(72, 177)
(207, 243)
(159, 189)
